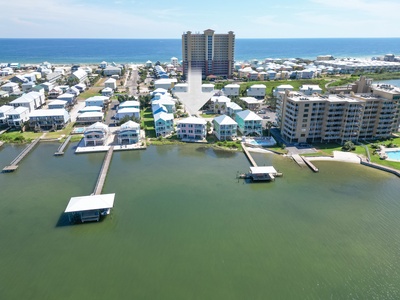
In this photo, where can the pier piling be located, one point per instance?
(60, 150)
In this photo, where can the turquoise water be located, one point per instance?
(184, 228)
(141, 50)
(395, 155)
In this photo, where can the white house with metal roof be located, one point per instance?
(32, 100)
(256, 91)
(110, 83)
(224, 128)
(3, 113)
(96, 134)
(18, 116)
(58, 104)
(80, 75)
(48, 119)
(231, 89)
(249, 123)
(129, 133)
(90, 117)
(70, 98)
(10, 87)
(130, 112)
(97, 101)
(192, 128)
(251, 103)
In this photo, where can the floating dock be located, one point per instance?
(60, 150)
(103, 172)
(248, 155)
(310, 164)
(14, 164)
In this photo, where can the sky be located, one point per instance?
(169, 19)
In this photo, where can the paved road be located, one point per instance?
(132, 82)
(111, 111)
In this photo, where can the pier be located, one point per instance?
(248, 155)
(298, 160)
(60, 150)
(310, 164)
(103, 172)
(14, 164)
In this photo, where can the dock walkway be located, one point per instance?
(310, 164)
(248, 155)
(60, 150)
(298, 160)
(103, 172)
(14, 164)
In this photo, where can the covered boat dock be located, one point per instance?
(89, 208)
(267, 173)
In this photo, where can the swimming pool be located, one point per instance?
(393, 155)
(263, 143)
(79, 130)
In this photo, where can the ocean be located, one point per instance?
(70, 51)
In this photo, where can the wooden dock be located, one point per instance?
(1, 143)
(103, 172)
(14, 164)
(248, 155)
(60, 150)
(298, 160)
(310, 164)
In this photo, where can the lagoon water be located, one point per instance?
(184, 228)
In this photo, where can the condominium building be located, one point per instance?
(210, 52)
(338, 118)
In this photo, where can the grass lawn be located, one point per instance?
(93, 91)
(209, 115)
(327, 150)
(19, 137)
(147, 121)
(57, 134)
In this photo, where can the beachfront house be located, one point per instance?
(96, 134)
(129, 133)
(231, 89)
(97, 101)
(163, 123)
(17, 117)
(225, 128)
(256, 91)
(10, 87)
(110, 83)
(103, 65)
(192, 128)
(86, 118)
(58, 104)
(3, 113)
(48, 119)
(32, 101)
(249, 123)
